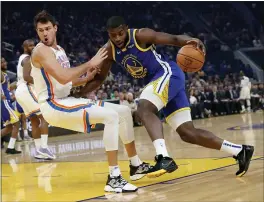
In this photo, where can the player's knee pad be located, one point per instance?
(111, 117)
(126, 130)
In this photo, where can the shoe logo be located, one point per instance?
(118, 52)
(166, 164)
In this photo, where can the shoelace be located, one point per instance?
(121, 180)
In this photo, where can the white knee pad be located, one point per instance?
(179, 118)
(110, 136)
(126, 130)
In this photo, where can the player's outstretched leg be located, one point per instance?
(242, 153)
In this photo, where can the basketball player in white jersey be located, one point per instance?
(53, 80)
(26, 98)
(245, 85)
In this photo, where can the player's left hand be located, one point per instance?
(92, 71)
(198, 43)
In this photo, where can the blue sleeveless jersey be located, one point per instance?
(157, 69)
(8, 114)
(5, 86)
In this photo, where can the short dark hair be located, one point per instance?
(44, 17)
(115, 21)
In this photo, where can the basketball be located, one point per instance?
(190, 59)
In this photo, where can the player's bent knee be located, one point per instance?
(187, 132)
(111, 116)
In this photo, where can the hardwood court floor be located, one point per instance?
(80, 170)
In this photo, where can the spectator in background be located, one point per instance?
(122, 98)
(209, 69)
(214, 98)
(233, 102)
(115, 95)
(92, 96)
(104, 96)
(261, 93)
(203, 98)
(256, 42)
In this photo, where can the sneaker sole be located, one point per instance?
(41, 157)
(137, 177)
(117, 190)
(44, 154)
(156, 173)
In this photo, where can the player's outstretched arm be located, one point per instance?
(26, 70)
(46, 59)
(149, 36)
(90, 76)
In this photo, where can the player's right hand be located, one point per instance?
(100, 56)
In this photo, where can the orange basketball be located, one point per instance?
(190, 59)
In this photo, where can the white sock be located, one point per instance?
(231, 148)
(135, 160)
(44, 141)
(114, 171)
(243, 107)
(26, 133)
(160, 147)
(11, 144)
(37, 143)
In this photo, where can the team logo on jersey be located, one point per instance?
(133, 66)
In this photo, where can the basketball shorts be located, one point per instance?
(18, 108)
(71, 113)
(26, 98)
(167, 92)
(8, 114)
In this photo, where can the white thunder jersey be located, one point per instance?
(20, 77)
(47, 87)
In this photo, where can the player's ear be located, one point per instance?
(56, 28)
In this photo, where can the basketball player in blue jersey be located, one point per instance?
(134, 50)
(9, 117)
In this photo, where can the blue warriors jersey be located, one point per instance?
(157, 69)
(8, 114)
(5, 86)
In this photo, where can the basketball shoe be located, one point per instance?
(138, 172)
(163, 165)
(243, 158)
(119, 185)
